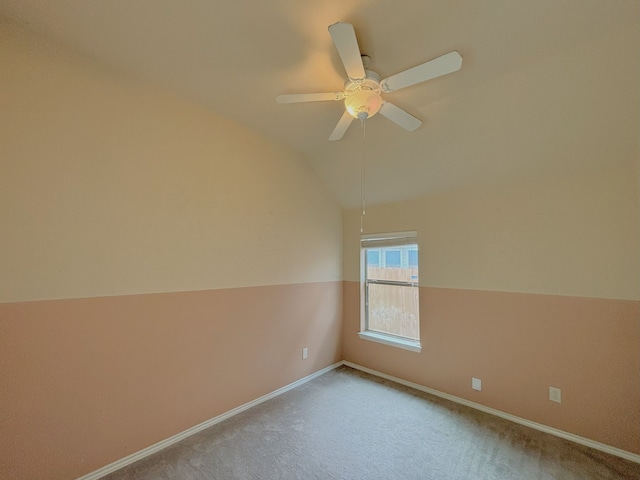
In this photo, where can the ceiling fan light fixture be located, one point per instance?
(363, 103)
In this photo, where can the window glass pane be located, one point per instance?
(373, 257)
(394, 309)
(413, 258)
(393, 270)
(392, 258)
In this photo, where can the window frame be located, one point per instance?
(384, 240)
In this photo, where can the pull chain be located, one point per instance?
(363, 177)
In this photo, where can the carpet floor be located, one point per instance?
(350, 425)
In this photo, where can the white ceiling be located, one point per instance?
(543, 86)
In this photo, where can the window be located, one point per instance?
(390, 306)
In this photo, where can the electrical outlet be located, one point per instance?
(305, 353)
(555, 394)
(476, 384)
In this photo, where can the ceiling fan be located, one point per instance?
(363, 90)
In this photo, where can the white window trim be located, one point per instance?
(390, 340)
(371, 335)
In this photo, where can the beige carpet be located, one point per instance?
(350, 425)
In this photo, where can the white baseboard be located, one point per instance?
(537, 426)
(145, 452)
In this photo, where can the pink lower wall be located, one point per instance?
(86, 382)
(519, 345)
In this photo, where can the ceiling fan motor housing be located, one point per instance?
(362, 97)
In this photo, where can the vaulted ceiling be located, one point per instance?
(546, 86)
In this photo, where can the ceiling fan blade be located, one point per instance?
(309, 97)
(399, 116)
(341, 127)
(451, 62)
(344, 38)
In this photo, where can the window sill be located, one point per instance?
(391, 341)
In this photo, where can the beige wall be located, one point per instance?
(159, 264)
(112, 187)
(576, 234)
(526, 285)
